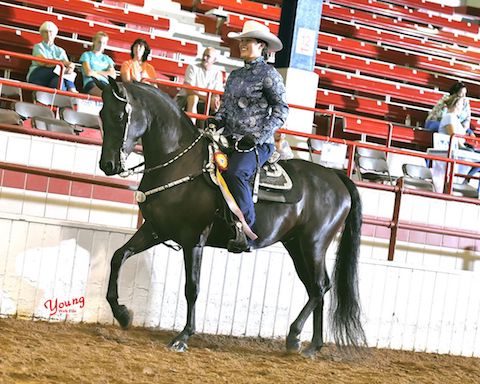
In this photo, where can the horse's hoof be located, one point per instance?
(293, 345)
(178, 346)
(124, 317)
(309, 352)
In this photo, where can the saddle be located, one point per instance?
(270, 184)
(273, 181)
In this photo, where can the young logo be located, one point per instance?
(56, 306)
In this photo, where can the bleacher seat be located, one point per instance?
(371, 164)
(10, 117)
(52, 99)
(403, 13)
(105, 12)
(14, 15)
(42, 117)
(79, 120)
(418, 177)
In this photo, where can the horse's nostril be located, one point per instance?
(107, 167)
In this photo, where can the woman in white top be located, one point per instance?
(450, 123)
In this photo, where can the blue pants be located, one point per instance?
(432, 125)
(45, 76)
(241, 168)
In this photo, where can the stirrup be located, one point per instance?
(240, 243)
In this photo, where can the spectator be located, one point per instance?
(450, 123)
(439, 110)
(44, 73)
(96, 64)
(282, 146)
(203, 75)
(137, 67)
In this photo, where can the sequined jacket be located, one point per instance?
(254, 102)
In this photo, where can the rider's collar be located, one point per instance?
(249, 64)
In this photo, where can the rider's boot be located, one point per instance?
(240, 243)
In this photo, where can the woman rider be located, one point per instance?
(253, 107)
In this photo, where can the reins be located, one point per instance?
(132, 170)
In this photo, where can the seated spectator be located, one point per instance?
(137, 67)
(44, 73)
(203, 75)
(450, 123)
(282, 146)
(439, 110)
(96, 64)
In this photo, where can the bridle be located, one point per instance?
(139, 195)
(127, 118)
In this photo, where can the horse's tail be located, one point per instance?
(345, 308)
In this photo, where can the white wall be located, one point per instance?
(406, 305)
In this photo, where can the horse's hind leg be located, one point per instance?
(143, 239)
(309, 260)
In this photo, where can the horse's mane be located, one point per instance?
(153, 97)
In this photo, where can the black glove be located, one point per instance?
(246, 143)
(212, 123)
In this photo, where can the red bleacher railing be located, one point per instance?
(40, 60)
(34, 87)
(209, 92)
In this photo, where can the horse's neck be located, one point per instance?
(160, 144)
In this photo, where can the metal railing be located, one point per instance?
(24, 56)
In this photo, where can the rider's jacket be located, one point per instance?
(254, 102)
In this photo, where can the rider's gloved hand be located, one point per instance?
(246, 143)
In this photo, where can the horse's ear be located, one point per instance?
(114, 85)
(99, 84)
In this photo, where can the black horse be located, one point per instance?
(180, 204)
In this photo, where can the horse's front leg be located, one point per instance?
(143, 239)
(193, 262)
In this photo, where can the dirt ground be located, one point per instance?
(41, 352)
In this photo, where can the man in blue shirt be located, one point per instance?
(253, 107)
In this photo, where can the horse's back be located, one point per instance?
(316, 180)
(324, 203)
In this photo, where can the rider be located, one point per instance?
(253, 107)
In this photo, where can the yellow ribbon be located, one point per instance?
(233, 206)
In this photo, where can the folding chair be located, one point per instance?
(332, 155)
(79, 119)
(7, 116)
(373, 169)
(52, 99)
(42, 117)
(418, 177)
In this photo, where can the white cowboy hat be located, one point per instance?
(256, 30)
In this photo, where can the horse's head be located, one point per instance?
(120, 129)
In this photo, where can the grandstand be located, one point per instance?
(382, 65)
